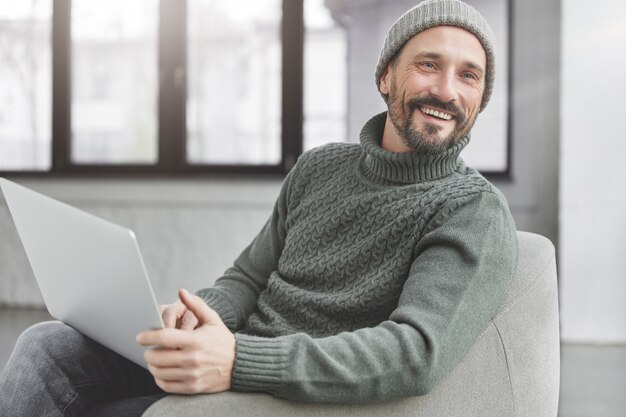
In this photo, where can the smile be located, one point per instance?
(436, 113)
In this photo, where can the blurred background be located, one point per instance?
(180, 118)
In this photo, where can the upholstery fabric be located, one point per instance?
(511, 370)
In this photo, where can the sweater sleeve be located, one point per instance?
(234, 295)
(462, 267)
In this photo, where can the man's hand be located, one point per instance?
(178, 316)
(188, 361)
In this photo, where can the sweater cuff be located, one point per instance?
(260, 364)
(223, 308)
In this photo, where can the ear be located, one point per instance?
(385, 81)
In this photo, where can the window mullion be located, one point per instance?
(293, 73)
(172, 84)
(61, 85)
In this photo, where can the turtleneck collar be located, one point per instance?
(388, 167)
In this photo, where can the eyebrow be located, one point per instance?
(436, 55)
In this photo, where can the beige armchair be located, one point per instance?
(512, 369)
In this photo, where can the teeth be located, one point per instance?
(436, 113)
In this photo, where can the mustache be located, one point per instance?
(432, 101)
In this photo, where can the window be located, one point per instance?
(234, 82)
(201, 86)
(325, 77)
(114, 81)
(25, 85)
(170, 86)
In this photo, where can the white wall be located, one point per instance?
(592, 176)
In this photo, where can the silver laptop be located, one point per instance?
(90, 271)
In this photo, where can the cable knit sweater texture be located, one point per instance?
(373, 276)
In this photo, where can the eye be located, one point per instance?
(470, 76)
(427, 65)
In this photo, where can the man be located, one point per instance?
(378, 268)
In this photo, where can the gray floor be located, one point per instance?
(593, 381)
(593, 378)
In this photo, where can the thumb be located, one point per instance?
(199, 308)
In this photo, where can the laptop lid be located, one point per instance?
(89, 270)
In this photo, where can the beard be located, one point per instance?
(428, 139)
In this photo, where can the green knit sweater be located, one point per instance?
(373, 276)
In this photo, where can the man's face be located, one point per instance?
(435, 88)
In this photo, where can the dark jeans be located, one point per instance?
(56, 371)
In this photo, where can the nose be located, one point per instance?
(443, 88)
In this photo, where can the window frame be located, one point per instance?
(172, 94)
(172, 125)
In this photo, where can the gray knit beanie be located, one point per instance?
(431, 13)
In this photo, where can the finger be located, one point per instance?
(177, 387)
(189, 321)
(166, 338)
(199, 308)
(165, 358)
(171, 374)
(172, 313)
